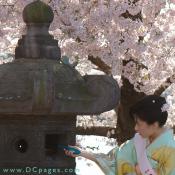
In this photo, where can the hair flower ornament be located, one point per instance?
(165, 107)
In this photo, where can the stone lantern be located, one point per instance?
(40, 98)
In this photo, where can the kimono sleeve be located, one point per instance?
(126, 158)
(168, 165)
(107, 162)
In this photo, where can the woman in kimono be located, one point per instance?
(150, 152)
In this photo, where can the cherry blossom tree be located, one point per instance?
(131, 40)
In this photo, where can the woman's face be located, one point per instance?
(144, 129)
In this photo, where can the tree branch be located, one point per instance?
(165, 85)
(100, 131)
(132, 17)
(100, 64)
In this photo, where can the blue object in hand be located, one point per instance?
(74, 150)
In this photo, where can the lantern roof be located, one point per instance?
(37, 82)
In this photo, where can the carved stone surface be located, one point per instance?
(49, 87)
(40, 97)
(38, 43)
(42, 135)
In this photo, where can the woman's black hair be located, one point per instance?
(149, 110)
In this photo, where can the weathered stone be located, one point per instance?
(38, 12)
(49, 87)
(40, 97)
(38, 43)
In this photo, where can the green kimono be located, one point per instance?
(122, 160)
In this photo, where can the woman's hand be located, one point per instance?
(70, 153)
(85, 154)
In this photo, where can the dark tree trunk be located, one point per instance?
(98, 130)
(125, 125)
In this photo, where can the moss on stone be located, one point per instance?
(38, 12)
(42, 93)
